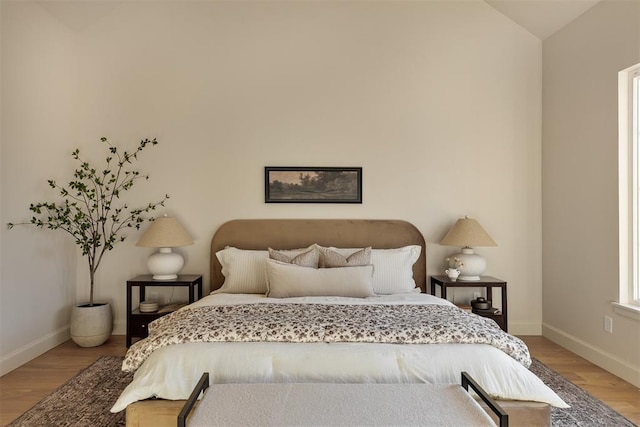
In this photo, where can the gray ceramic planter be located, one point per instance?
(91, 326)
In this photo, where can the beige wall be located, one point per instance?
(439, 102)
(37, 285)
(580, 185)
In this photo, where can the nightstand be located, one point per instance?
(486, 282)
(136, 321)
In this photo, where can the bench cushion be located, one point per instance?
(338, 404)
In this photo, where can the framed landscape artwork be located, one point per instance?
(313, 184)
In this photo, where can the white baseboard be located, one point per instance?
(32, 350)
(516, 328)
(119, 328)
(597, 356)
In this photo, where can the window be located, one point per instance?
(629, 179)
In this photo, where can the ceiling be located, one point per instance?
(540, 17)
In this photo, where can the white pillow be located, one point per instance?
(288, 280)
(244, 270)
(393, 268)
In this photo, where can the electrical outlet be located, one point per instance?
(608, 324)
(476, 295)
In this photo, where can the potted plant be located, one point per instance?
(90, 210)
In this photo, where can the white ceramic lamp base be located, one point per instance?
(165, 264)
(473, 265)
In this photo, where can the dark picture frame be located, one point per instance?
(295, 184)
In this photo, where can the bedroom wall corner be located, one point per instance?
(37, 268)
(2, 182)
(580, 185)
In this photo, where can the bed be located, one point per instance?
(168, 372)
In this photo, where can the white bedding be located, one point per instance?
(172, 372)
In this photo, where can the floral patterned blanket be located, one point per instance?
(310, 323)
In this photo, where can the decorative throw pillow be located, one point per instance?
(244, 269)
(288, 280)
(309, 258)
(393, 268)
(333, 259)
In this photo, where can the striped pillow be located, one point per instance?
(393, 268)
(244, 270)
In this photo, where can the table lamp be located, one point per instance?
(165, 233)
(467, 232)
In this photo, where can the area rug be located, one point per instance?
(85, 400)
(585, 410)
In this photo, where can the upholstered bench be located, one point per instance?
(288, 404)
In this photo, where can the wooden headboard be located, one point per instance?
(260, 234)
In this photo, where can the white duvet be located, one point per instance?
(172, 372)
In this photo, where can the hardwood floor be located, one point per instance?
(22, 388)
(25, 386)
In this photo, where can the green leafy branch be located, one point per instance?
(90, 210)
